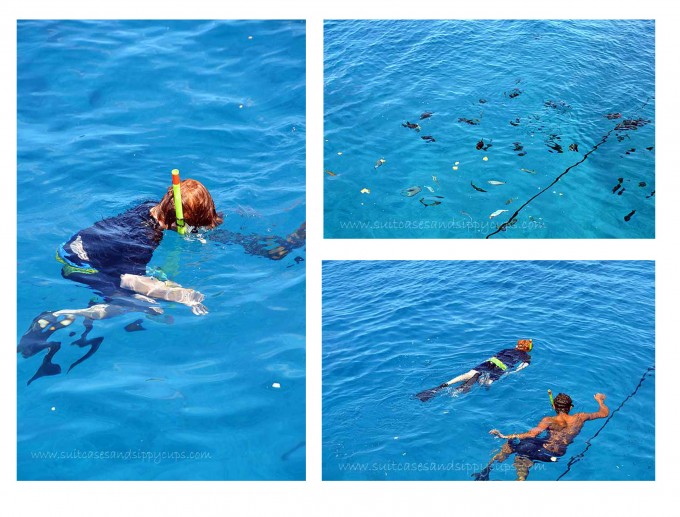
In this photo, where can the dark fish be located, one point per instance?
(651, 195)
(480, 145)
(298, 259)
(573, 147)
(632, 150)
(411, 126)
(428, 138)
(627, 218)
(616, 187)
(432, 203)
(555, 146)
(515, 122)
(559, 106)
(620, 180)
(472, 122)
(631, 124)
(642, 184)
(515, 92)
(651, 147)
(134, 326)
(523, 153)
(622, 191)
(427, 114)
(518, 146)
(482, 101)
(477, 188)
(612, 116)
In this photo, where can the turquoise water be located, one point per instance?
(105, 110)
(393, 329)
(554, 80)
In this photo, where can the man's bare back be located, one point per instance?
(562, 429)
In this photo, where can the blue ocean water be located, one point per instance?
(393, 329)
(105, 110)
(553, 80)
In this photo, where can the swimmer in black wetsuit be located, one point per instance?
(488, 371)
(528, 448)
(111, 257)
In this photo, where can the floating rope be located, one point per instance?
(579, 457)
(512, 220)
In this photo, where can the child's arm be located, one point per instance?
(171, 292)
(270, 246)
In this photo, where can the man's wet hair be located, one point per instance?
(563, 403)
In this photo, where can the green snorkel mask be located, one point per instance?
(177, 195)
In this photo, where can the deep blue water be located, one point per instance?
(393, 329)
(379, 74)
(105, 110)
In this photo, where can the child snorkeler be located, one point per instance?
(112, 256)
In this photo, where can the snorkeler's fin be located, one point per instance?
(94, 346)
(48, 367)
(82, 341)
(482, 475)
(426, 395)
(35, 338)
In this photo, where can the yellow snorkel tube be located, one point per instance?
(552, 402)
(177, 195)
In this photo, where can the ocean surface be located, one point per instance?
(513, 102)
(393, 329)
(105, 110)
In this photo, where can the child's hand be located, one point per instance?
(199, 309)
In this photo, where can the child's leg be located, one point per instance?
(171, 292)
(96, 312)
(463, 377)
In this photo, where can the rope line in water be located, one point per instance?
(585, 156)
(579, 457)
(503, 226)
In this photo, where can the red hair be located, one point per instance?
(197, 204)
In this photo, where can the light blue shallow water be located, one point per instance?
(381, 74)
(393, 329)
(105, 110)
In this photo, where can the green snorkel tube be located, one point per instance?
(177, 194)
(552, 402)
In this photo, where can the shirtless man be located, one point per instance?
(562, 429)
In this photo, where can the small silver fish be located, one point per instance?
(411, 191)
(379, 163)
(496, 213)
(530, 171)
(434, 178)
(494, 182)
(429, 188)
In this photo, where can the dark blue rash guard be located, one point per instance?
(99, 255)
(510, 357)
